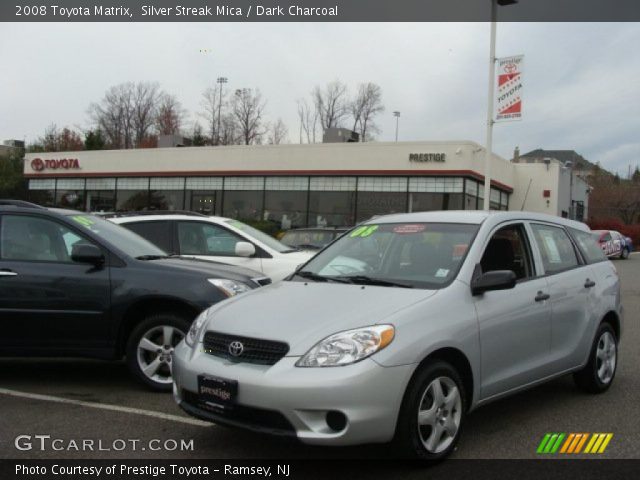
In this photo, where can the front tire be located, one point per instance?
(432, 413)
(597, 376)
(150, 348)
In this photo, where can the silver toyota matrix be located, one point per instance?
(402, 326)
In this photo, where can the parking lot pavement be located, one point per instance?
(76, 400)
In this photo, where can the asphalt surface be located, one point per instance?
(509, 428)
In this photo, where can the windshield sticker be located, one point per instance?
(442, 272)
(459, 250)
(84, 221)
(409, 229)
(553, 254)
(364, 231)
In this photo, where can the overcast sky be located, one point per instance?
(582, 81)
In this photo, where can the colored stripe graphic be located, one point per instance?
(573, 443)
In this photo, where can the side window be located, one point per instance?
(36, 239)
(199, 238)
(508, 249)
(157, 232)
(556, 248)
(606, 237)
(588, 245)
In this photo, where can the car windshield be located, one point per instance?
(413, 255)
(261, 236)
(127, 241)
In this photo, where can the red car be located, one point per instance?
(613, 244)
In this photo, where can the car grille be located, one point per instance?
(257, 419)
(254, 350)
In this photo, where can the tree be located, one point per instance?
(127, 113)
(247, 109)
(331, 104)
(215, 108)
(635, 178)
(12, 184)
(308, 121)
(364, 108)
(55, 140)
(170, 115)
(278, 132)
(197, 138)
(93, 140)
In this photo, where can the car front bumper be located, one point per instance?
(287, 400)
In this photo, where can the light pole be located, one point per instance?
(492, 63)
(397, 115)
(220, 81)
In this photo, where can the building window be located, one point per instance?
(380, 196)
(70, 193)
(243, 204)
(204, 195)
(132, 194)
(42, 192)
(332, 209)
(287, 208)
(166, 194)
(101, 194)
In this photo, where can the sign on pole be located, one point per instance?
(508, 105)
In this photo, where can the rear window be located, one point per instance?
(588, 244)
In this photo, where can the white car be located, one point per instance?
(216, 238)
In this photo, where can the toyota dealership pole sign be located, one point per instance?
(508, 88)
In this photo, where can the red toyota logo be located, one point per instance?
(510, 67)
(37, 164)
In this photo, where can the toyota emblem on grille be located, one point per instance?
(236, 348)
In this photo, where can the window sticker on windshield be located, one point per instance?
(84, 221)
(459, 250)
(442, 272)
(408, 229)
(364, 231)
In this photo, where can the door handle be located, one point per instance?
(541, 296)
(589, 283)
(7, 273)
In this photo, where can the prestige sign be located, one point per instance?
(38, 164)
(427, 157)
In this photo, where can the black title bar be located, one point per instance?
(317, 11)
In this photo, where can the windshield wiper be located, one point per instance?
(152, 257)
(319, 278)
(365, 280)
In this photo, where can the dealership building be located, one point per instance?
(327, 184)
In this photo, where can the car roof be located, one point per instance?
(474, 217)
(166, 216)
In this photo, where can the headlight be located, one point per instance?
(348, 347)
(192, 335)
(230, 288)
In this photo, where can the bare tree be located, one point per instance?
(170, 115)
(145, 100)
(331, 104)
(308, 121)
(278, 132)
(56, 140)
(213, 106)
(364, 108)
(126, 113)
(247, 109)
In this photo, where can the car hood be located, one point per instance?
(303, 313)
(207, 268)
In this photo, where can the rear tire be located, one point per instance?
(432, 413)
(597, 376)
(624, 254)
(150, 348)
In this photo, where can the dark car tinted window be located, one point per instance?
(555, 247)
(36, 239)
(158, 233)
(588, 245)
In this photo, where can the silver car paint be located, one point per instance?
(510, 341)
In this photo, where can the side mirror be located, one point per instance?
(496, 280)
(245, 249)
(87, 253)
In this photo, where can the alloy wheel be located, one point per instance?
(155, 350)
(439, 414)
(606, 356)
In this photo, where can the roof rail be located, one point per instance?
(149, 212)
(20, 203)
